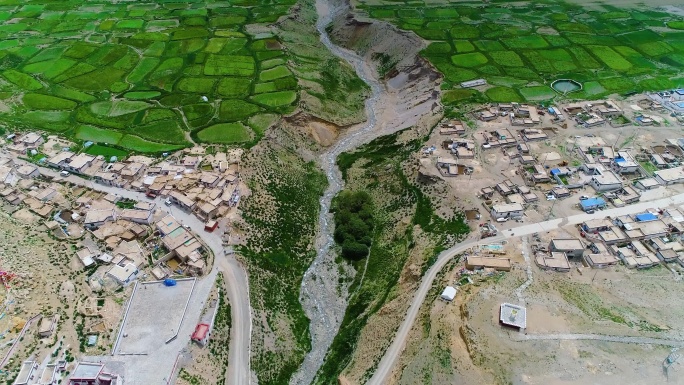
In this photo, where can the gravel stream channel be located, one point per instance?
(323, 299)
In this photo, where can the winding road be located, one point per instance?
(235, 276)
(391, 356)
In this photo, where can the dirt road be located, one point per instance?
(392, 354)
(237, 283)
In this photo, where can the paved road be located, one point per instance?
(600, 337)
(384, 370)
(235, 276)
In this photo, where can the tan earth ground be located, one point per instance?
(462, 342)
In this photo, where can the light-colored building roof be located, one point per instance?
(135, 214)
(97, 216)
(507, 208)
(81, 160)
(123, 273)
(182, 198)
(513, 315)
(26, 169)
(607, 177)
(671, 174)
(61, 157)
(567, 244)
(176, 238)
(167, 224)
(31, 138)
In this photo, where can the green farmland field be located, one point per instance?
(143, 76)
(535, 43)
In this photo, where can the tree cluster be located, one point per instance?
(353, 223)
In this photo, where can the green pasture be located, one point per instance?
(143, 75)
(611, 51)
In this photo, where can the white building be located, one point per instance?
(123, 274)
(508, 211)
(670, 176)
(606, 181)
(448, 294)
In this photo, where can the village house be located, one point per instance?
(572, 247)
(97, 218)
(507, 211)
(182, 201)
(624, 163)
(209, 180)
(191, 162)
(138, 216)
(454, 127)
(167, 224)
(32, 141)
(61, 159)
(606, 108)
(78, 163)
(556, 261)
(28, 171)
(599, 257)
(476, 262)
(647, 184)
(106, 178)
(670, 176)
(531, 134)
(486, 115)
(607, 180)
(636, 255)
(123, 275)
(47, 326)
(132, 171)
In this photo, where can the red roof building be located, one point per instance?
(201, 334)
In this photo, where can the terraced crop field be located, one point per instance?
(144, 76)
(520, 49)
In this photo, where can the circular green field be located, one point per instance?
(469, 59)
(225, 133)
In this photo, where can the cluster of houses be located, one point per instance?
(639, 241)
(206, 185)
(118, 237)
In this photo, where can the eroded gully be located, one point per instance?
(323, 299)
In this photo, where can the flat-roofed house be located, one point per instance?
(47, 326)
(61, 159)
(594, 226)
(123, 275)
(28, 171)
(97, 218)
(624, 163)
(553, 261)
(106, 178)
(606, 181)
(132, 170)
(513, 316)
(32, 140)
(476, 262)
(206, 210)
(182, 200)
(670, 176)
(572, 247)
(509, 211)
(209, 179)
(137, 216)
(79, 163)
(647, 184)
(167, 224)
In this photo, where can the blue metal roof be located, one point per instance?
(592, 202)
(645, 217)
(555, 171)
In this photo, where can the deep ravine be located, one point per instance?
(323, 300)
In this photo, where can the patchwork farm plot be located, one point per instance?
(521, 49)
(143, 76)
